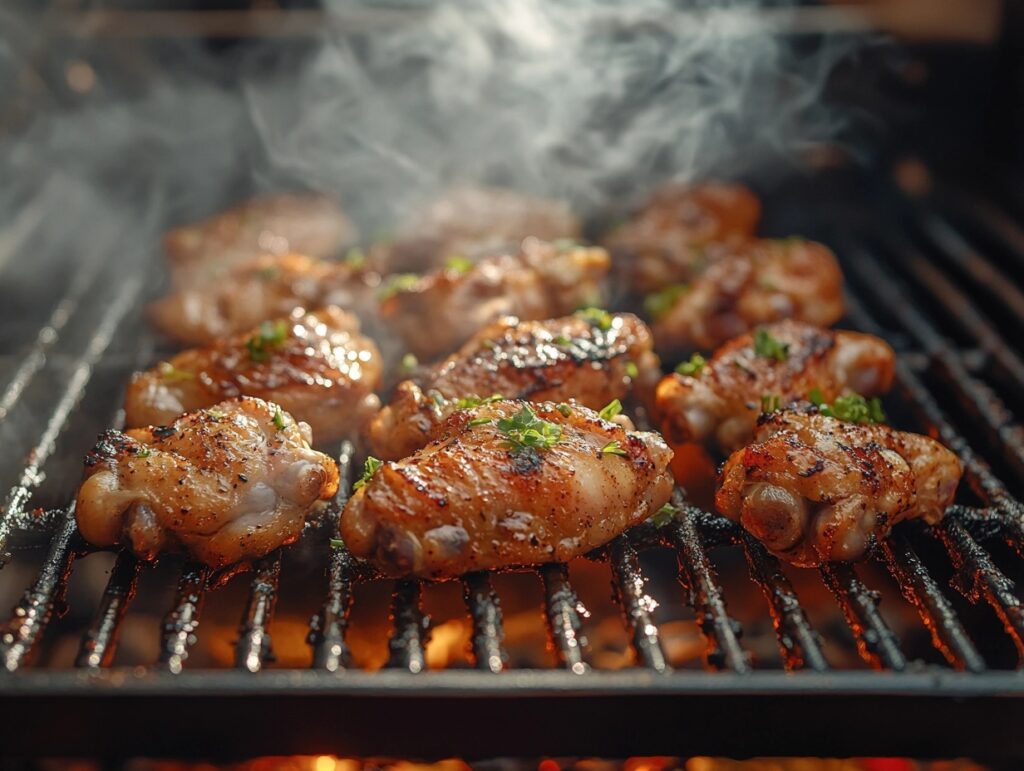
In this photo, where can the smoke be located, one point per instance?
(590, 101)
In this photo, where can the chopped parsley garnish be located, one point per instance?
(479, 422)
(631, 370)
(269, 273)
(611, 410)
(143, 452)
(660, 303)
(613, 448)
(459, 263)
(596, 317)
(769, 347)
(216, 415)
(489, 344)
(337, 543)
(467, 402)
(356, 258)
(692, 367)
(565, 409)
(400, 282)
(370, 468)
(271, 335)
(664, 515)
(172, 374)
(815, 396)
(525, 430)
(771, 402)
(278, 419)
(853, 408)
(562, 340)
(409, 362)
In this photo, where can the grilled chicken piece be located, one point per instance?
(592, 358)
(317, 366)
(769, 281)
(438, 312)
(667, 241)
(470, 223)
(227, 484)
(304, 223)
(262, 289)
(815, 489)
(782, 362)
(470, 500)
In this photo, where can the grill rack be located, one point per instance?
(333, 708)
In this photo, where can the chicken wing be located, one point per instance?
(469, 223)
(667, 241)
(505, 484)
(591, 357)
(769, 281)
(261, 289)
(436, 313)
(227, 484)
(317, 366)
(304, 223)
(717, 403)
(813, 488)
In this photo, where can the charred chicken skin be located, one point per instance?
(264, 288)
(768, 281)
(227, 484)
(304, 223)
(504, 484)
(717, 403)
(436, 313)
(468, 223)
(592, 357)
(317, 366)
(668, 241)
(815, 489)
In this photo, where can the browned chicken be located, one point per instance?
(667, 241)
(262, 289)
(717, 403)
(504, 484)
(468, 223)
(592, 357)
(768, 281)
(436, 313)
(304, 223)
(317, 366)
(813, 488)
(227, 484)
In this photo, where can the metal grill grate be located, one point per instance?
(895, 287)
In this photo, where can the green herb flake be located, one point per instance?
(271, 335)
(565, 409)
(171, 374)
(631, 370)
(143, 452)
(769, 347)
(815, 397)
(660, 303)
(337, 543)
(399, 282)
(771, 402)
(370, 467)
(269, 273)
(854, 408)
(216, 415)
(279, 423)
(562, 340)
(409, 362)
(525, 430)
(479, 422)
(693, 367)
(664, 515)
(356, 258)
(459, 264)
(613, 448)
(596, 317)
(468, 402)
(611, 410)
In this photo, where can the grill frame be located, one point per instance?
(579, 711)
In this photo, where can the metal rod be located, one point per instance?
(563, 616)
(99, 643)
(629, 584)
(485, 611)
(876, 642)
(408, 643)
(181, 622)
(254, 649)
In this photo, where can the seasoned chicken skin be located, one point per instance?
(227, 484)
(317, 366)
(592, 359)
(815, 489)
(769, 281)
(440, 311)
(667, 241)
(264, 288)
(719, 404)
(472, 222)
(305, 223)
(471, 501)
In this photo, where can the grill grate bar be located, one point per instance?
(921, 591)
(254, 649)
(31, 615)
(876, 642)
(408, 641)
(181, 622)
(99, 643)
(799, 643)
(485, 611)
(697, 576)
(629, 585)
(562, 611)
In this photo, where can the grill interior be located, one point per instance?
(938, 276)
